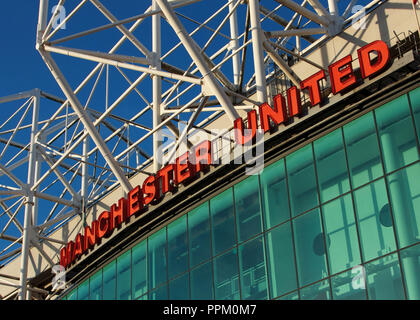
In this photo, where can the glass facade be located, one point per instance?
(337, 219)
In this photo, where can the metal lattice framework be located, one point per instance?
(169, 69)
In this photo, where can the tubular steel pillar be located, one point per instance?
(257, 49)
(234, 45)
(84, 118)
(29, 201)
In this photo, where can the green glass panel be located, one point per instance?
(124, 276)
(72, 295)
(160, 293)
(157, 258)
(363, 150)
(290, 296)
(179, 288)
(331, 166)
(281, 260)
(415, 105)
(253, 270)
(317, 291)
(248, 210)
(177, 247)
(199, 234)
(275, 200)
(404, 189)
(108, 292)
(96, 286)
(139, 269)
(226, 282)
(396, 134)
(384, 279)
(83, 291)
(202, 282)
(302, 182)
(349, 285)
(410, 258)
(341, 234)
(310, 248)
(222, 221)
(374, 220)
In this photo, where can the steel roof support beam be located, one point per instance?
(29, 199)
(210, 82)
(281, 63)
(92, 56)
(89, 126)
(121, 28)
(305, 12)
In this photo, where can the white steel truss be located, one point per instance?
(197, 61)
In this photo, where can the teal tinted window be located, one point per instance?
(72, 295)
(108, 291)
(160, 293)
(404, 189)
(177, 247)
(157, 258)
(83, 291)
(310, 248)
(179, 288)
(396, 134)
(199, 234)
(331, 166)
(384, 279)
(253, 270)
(247, 205)
(349, 285)
(124, 276)
(202, 282)
(341, 234)
(95, 290)
(317, 291)
(374, 220)
(281, 260)
(411, 269)
(222, 221)
(226, 282)
(302, 181)
(139, 269)
(275, 200)
(362, 150)
(415, 105)
(290, 296)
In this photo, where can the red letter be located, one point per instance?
(294, 101)
(63, 257)
(312, 83)
(366, 66)
(70, 252)
(278, 115)
(135, 201)
(203, 155)
(239, 128)
(341, 74)
(166, 174)
(118, 213)
(149, 189)
(104, 224)
(78, 250)
(90, 235)
(184, 168)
